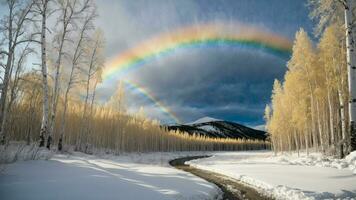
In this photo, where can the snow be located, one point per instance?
(261, 127)
(208, 128)
(203, 120)
(316, 159)
(351, 161)
(287, 176)
(79, 176)
(19, 151)
(149, 176)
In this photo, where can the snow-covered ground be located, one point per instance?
(79, 176)
(149, 176)
(19, 151)
(287, 176)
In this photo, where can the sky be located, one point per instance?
(226, 83)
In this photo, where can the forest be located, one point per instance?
(51, 101)
(310, 108)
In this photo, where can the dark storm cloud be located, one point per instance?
(231, 84)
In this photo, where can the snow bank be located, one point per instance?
(19, 151)
(81, 176)
(286, 177)
(317, 159)
(153, 158)
(351, 161)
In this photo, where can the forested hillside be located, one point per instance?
(219, 129)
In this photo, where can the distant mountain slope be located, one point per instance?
(203, 120)
(216, 128)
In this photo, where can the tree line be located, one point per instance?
(53, 101)
(310, 108)
(108, 127)
(69, 50)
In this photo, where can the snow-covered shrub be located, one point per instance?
(351, 160)
(19, 151)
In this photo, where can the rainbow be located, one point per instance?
(198, 36)
(143, 91)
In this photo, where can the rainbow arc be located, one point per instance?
(145, 92)
(198, 36)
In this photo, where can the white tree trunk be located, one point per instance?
(66, 19)
(3, 97)
(85, 118)
(44, 123)
(306, 138)
(331, 118)
(63, 122)
(343, 124)
(351, 66)
(56, 86)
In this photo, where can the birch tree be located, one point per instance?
(332, 57)
(351, 66)
(69, 13)
(93, 52)
(303, 59)
(75, 65)
(13, 28)
(328, 12)
(42, 9)
(15, 75)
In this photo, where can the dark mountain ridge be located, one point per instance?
(219, 129)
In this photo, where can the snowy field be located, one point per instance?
(79, 176)
(149, 176)
(288, 176)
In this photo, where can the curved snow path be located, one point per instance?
(85, 177)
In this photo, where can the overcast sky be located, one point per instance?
(225, 83)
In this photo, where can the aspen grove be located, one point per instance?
(310, 108)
